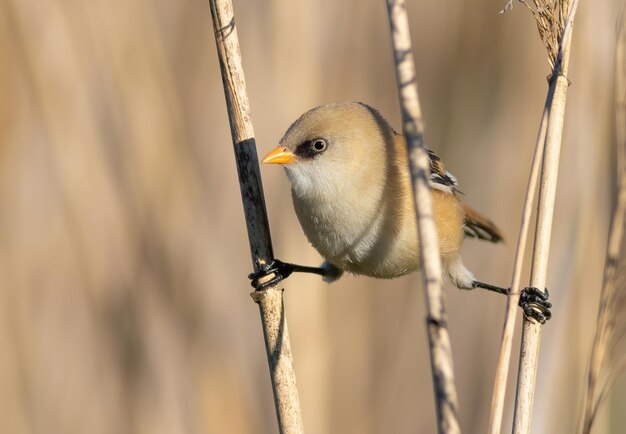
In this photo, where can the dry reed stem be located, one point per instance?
(529, 351)
(549, 22)
(608, 353)
(413, 129)
(270, 300)
(506, 344)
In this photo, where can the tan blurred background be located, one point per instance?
(124, 303)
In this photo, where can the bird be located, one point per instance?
(352, 194)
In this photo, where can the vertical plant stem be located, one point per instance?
(531, 333)
(607, 360)
(413, 129)
(506, 344)
(270, 300)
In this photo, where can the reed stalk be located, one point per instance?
(270, 299)
(608, 352)
(413, 128)
(554, 22)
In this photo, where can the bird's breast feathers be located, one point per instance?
(358, 238)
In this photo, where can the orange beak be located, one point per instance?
(280, 155)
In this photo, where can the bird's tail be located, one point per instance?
(479, 226)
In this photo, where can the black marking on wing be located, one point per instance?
(439, 174)
(477, 232)
(478, 226)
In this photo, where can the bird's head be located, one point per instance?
(333, 146)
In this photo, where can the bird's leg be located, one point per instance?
(281, 270)
(533, 301)
(488, 287)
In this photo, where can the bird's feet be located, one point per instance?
(281, 270)
(535, 304)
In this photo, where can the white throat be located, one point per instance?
(311, 182)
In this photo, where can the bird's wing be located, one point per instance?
(440, 178)
(479, 226)
(476, 224)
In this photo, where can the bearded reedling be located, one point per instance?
(352, 193)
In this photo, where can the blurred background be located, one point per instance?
(124, 302)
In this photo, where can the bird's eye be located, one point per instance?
(319, 145)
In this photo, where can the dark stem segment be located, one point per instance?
(253, 202)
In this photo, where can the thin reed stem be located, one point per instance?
(531, 332)
(550, 131)
(608, 351)
(506, 344)
(270, 299)
(413, 129)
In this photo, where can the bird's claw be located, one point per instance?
(535, 304)
(281, 270)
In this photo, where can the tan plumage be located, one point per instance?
(352, 194)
